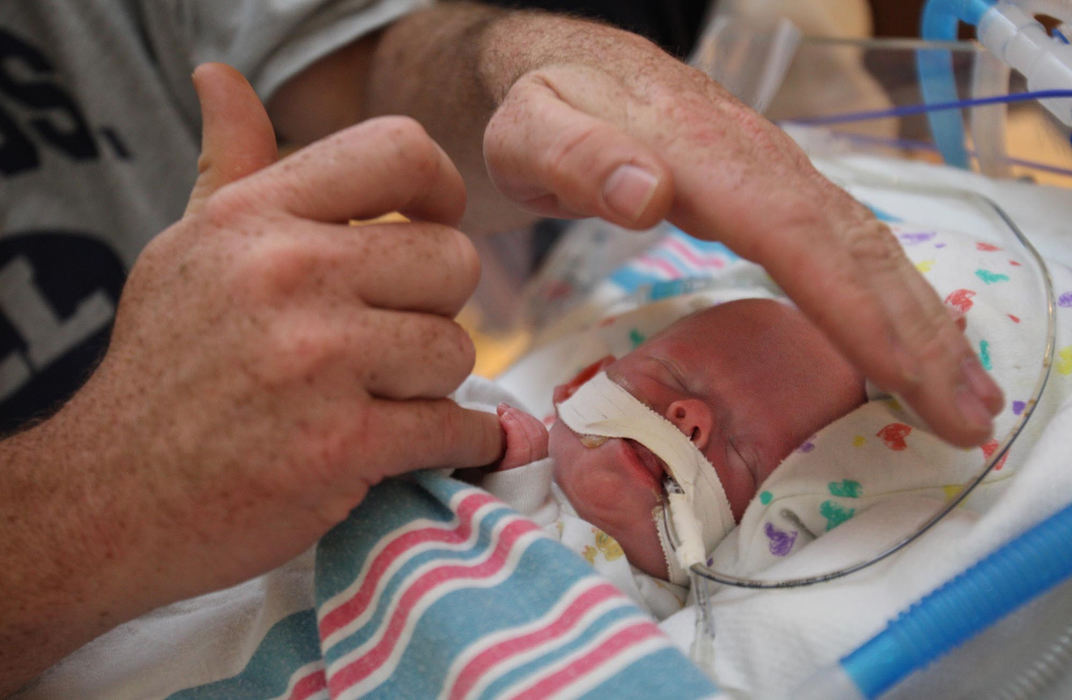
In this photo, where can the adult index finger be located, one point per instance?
(402, 436)
(847, 272)
(369, 169)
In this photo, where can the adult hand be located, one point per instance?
(286, 360)
(593, 121)
(581, 119)
(269, 363)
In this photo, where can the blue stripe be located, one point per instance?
(389, 506)
(883, 215)
(662, 673)
(631, 279)
(543, 575)
(397, 584)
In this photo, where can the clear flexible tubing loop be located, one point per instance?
(1058, 9)
(706, 572)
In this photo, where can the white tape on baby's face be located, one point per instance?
(601, 407)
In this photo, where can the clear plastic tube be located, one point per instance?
(1058, 9)
(1049, 672)
(988, 125)
(1013, 35)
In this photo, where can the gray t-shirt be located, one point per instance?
(99, 137)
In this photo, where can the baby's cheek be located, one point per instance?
(736, 476)
(560, 441)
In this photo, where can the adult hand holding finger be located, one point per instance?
(269, 363)
(592, 121)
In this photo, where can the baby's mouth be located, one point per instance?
(647, 459)
(651, 463)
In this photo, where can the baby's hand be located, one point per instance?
(526, 437)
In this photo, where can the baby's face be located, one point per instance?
(747, 381)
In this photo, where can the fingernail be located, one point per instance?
(628, 190)
(971, 408)
(981, 384)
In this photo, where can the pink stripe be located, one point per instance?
(485, 660)
(352, 608)
(364, 665)
(664, 266)
(310, 685)
(690, 254)
(588, 663)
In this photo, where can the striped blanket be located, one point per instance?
(433, 588)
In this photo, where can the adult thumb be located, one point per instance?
(237, 138)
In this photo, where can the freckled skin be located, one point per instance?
(748, 381)
(266, 368)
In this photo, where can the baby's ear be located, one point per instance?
(564, 391)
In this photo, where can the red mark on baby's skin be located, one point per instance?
(988, 448)
(894, 435)
(986, 246)
(960, 299)
(607, 321)
(564, 391)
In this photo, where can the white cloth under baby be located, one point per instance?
(701, 515)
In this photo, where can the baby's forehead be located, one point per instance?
(696, 330)
(695, 348)
(731, 321)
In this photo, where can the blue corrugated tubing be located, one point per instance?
(935, 67)
(1010, 576)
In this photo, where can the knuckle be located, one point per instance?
(451, 350)
(463, 352)
(224, 209)
(322, 450)
(929, 339)
(875, 248)
(570, 148)
(467, 264)
(401, 129)
(411, 144)
(273, 270)
(297, 351)
(791, 222)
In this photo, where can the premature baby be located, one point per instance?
(745, 382)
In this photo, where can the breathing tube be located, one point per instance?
(1011, 33)
(1007, 578)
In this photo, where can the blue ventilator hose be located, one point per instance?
(1007, 578)
(935, 67)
